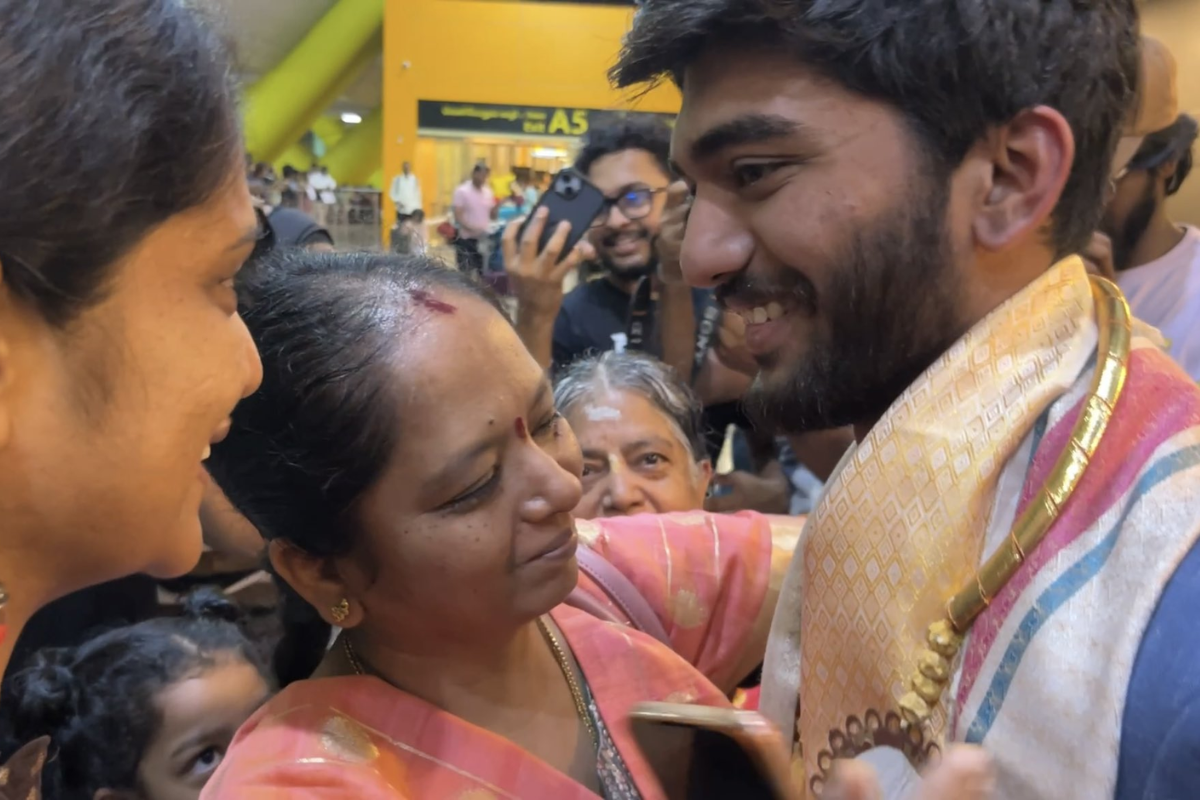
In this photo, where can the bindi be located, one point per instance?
(432, 303)
(520, 428)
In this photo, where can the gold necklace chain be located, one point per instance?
(560, 656)
(572, 684)
(945, 637)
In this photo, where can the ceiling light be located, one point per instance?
(350, 118)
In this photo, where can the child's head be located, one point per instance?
(144, 711)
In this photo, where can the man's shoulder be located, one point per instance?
(1160, 741)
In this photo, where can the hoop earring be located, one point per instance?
(340, 611)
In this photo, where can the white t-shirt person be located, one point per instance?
(1166, 294)
(324, 185)
(406, 193)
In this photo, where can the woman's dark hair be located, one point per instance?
(320, 430)
(97, 701)
(118, 115)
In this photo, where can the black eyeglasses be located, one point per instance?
(632, 203)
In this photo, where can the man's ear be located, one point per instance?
(1030, 159)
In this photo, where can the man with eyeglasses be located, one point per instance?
(1155, 260)
(629, 306)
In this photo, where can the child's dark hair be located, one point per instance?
(97, 701)
(320, 430)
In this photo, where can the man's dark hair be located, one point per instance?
(626, 132)
(118, 115)
(954, 69)
(1172, 143)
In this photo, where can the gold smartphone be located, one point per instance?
(703, 753)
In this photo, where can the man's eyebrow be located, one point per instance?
(747, 129)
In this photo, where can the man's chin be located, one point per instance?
(631, 271)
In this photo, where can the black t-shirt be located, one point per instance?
(595, 316)
(293, 228)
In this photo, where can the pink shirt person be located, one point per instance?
(473, 207)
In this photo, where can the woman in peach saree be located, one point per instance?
(406, 462)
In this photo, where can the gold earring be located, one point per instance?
(340, 611)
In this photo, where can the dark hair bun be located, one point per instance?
(211, 604)
(47, 689)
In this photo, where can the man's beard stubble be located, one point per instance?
(890, 310)
(628, 272)
(1125, 240)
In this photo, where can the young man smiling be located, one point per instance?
(890, 193)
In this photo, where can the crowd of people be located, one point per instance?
(871, 427)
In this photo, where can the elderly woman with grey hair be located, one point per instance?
(640, 429)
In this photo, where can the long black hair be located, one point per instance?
(118, 114)
(96, 701)
(319, 431)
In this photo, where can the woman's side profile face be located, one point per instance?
(104, 421)
(469, 528)
(635, 460)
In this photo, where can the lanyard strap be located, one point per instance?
(641, 322)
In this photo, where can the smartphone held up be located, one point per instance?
(571, 198)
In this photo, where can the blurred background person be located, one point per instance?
(474, 208)
(1156, 260)
(323, 194)
(406, 192)
(408, 234)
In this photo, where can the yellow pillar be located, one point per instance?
(359, 153)
(286, 101)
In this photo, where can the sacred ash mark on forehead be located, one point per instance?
(602, 413)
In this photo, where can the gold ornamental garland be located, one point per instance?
(945, 637)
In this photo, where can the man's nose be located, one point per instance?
(716, 244)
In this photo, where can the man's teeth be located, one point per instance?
(207, 452)
(760, 314)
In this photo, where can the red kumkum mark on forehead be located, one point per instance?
(432, 303)
(520, 428)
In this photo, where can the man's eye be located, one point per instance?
(746, 175)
